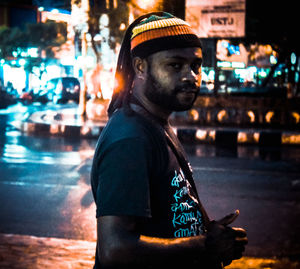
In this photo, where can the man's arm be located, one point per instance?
(121, 244)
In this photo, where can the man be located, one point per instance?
(148, 212)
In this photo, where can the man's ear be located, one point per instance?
(140, 67)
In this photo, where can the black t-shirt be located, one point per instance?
(136, 173)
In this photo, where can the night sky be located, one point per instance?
(275, 22)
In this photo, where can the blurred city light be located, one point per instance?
(107, 84)
(251, 115)
(224, 64)
(146, 4)
(290, 139)
(97, 37)
(122, 26)
(273, 59)
(104, 20)
(68, 60)
(33, 52)
(246, 137)
(193, 113)
(296, 116)
(53, 71)
(22, 62)
(211, 75)
(269, 116)
(54, 11)
(232, 49)
(293, 58)
(205, 135)
(238, 65)
(262, 73)
(222, 114)
(13, 72)
(201, 134)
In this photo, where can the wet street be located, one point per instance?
(45, 189)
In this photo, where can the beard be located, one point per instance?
(179, 98)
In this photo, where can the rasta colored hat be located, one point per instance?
(157, 33)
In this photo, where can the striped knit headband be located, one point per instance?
(158, 33)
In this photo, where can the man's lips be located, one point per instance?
(189, 90)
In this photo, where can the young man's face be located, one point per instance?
(174, 78)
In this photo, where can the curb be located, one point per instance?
(74, 131)
(230, 137)
(25, 251)
(224, 137)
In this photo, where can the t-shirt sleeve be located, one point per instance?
(123, 179)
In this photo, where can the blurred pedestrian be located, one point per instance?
(10, 88)
(95, 82)
(148, 212)
(1, 85)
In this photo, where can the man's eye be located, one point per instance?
(176, 66)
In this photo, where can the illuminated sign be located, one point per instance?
(231, 65)
(54, 15)
(217, 18)
(231, 52)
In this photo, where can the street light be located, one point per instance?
(79, 21)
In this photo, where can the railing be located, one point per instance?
(266, 112)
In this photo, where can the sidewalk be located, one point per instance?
(67, 122)
(30, 252)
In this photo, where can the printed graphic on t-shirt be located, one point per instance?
(187, 217)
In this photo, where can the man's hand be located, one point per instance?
(224, 243)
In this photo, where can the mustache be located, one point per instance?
(187, 87)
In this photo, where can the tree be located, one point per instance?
(11, 40)
(118, 23)
(118, 14)
(48, 36)
(45, 37)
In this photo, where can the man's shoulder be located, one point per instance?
(122, 126)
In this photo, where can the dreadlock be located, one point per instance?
(124, 72)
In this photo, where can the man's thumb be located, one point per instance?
(229, 218)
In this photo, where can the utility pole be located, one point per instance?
(84, 46)
(83, 89)
(216, 68)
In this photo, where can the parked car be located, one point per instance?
(6, 99)
(63, 89)
(34, 95)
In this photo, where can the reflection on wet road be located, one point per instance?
(45, 185)
(20, 154)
